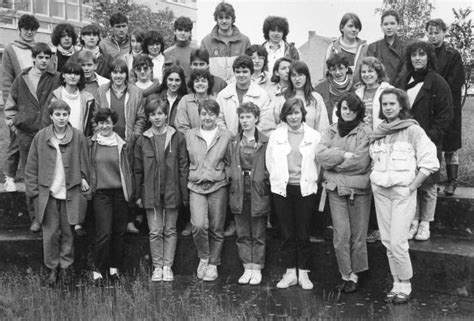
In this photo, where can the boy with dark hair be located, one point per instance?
(64, 38)
(182, 47)
(199, 59)
(118, 44)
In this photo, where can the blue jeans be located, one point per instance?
(163, 236)
(208, 213)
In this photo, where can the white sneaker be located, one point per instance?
(202, 267)
(157, 274)
(412, 231)
(289, 279)
(9, 184)
(256, 277)
(211, 273)
(167, 274)
(304, 281)
(245, 278)
(423, 233)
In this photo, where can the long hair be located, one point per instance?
(424, 46)
(289, 106)
(402, 99)
(299, 67)
(168, 71)
(72, 67)
(354, 103)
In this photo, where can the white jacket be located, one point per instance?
(375, 103)
(276, 160)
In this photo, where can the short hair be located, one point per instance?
(183, 90)
(102, 114)
(243, 61)
(428, 48)
(90, 30)
(402, 99)
(350, 16)
(73, 67)
(199, 53)
(85, 55)
(354, 103)
(275, 23)
(209, 105)
(224, 9)
(28, 22)
(155, 104)
(118, 18)
(376, 65)
(58, 105)
(289, 107)
(261, 51)
(276, 66)
(119, 65)
(152, 37)
(201, 73)
(60, 30)
(388, 13)
(249, 107)
(438, 23)
(142, 60)
(336, 60)
(184, 23)
(41, 47)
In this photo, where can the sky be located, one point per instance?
(303, 16)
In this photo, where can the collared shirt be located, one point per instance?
(248, 148)
(274, 53)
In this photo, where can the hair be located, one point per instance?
(139, 37)
(119, 65)
(424, 46)
(301, 68)
(276, 79)
(209, 105)
(261, 51)
(335, 60)
(117, 18)
(243, 61)
(355, 104)
(289, 107)
(402, 99)
(200, 73)
(28, 22)
(41, 47)
(350, 16)
(184, 23)
(155, 104)
(249, 107)
(142, 60)
(102, 114)
(85, 55)
(58, 105)
(152, 37)
(73, 67)
(388, 13)
(224, 9)
(376, 65)
(60, 30)
(275, 23)
(199, 53)
(437, 23)
(183, 90)
(90, 30)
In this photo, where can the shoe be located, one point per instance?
(401, 298)
(256, 278)
(304, 281)
(350, 286)
(289, 279)
(211, 273)
(52, 277)
(114, 276)
(328, 233)
(97, 279)
(412, 231)
(35, 226)
(202, 267)
(340, 287)
(245, 278)
(373, 236)
(80, 232)
(423, 233)
(66, 276)
(188, 230)
(230, 229)
(167, 274)
(9, 184)
(131, 228)
(157, 274)
(393, 293)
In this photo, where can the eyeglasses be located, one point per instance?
(142, 68)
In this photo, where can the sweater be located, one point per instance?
(181, 52)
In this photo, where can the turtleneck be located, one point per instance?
(182, 43)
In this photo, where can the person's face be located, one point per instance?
(66, 41)
(89, 68)
(90, 40)
(298, 80)
(346, 113)
(338, 73)
(120, 30)
(275, 35)
(242, 76)
(143, 73)
(136, 45)
(199, 64)
(158, 118)
(248, 121)
(106, 127)
(368, 75)
(435, 36)
(42, 61)
(182, 34)
(60, 117)
(27, 35)
(118, 78)
(154, 49)
(173, 81)
(208, 119)
(224, 23)
(349, 30)
(258, 61)
(201, 85)
(419, 59)
(283, 70)
(71, 79)
(295, 118)
(389, 26)
(391, 107)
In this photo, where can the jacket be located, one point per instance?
(276, 160)
(187, 114)
(223, 51)
(323, 88)
(290, 50)
(391, 56)
(207, 165)
(124, 165)
(375, 102)
(348, 176)
(229, 101)
(111, 47)
(103, 62)
(172, 110)
(40, 168)
(147, 175)
(260, 185)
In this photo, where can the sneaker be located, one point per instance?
(230, 229)
(9, 184)
(35, 226)
(114, 276)
(211, 273)
(97, 279)
(256, 277)
(393, 293)
(289, 279)
(423, 233)
(245, 278)
(202, 267)
(167, 274)
(157, 274)
(188, 230)
(373, 236)
(412, 231)
(304, 281)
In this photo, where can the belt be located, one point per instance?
(246, 173)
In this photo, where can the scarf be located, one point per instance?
(66, 52)
(338, 89)
(345, 127)
(107, 140)
(418, 76)
(385, 129)
(95, 51)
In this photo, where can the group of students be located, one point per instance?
(238, 147)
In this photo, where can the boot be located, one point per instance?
(452, 171)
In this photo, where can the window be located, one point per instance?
(23, 5)
(57, 8)
(72, 9)
(86, 9)
(7, 4)
(42, 7)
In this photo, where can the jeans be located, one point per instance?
(294, 214)
(350, 221)
(208, 213)
(24, 143)
(163, 236)
(110, 212)
(426, 204)
(12, 158)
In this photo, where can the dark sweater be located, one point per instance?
(108, 169)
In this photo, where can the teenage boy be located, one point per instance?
(225, 42)
(88, 62)
(118, 44)
(450, 66)
(200, 60)
(16, 57)
(390, 49)
(26, 104)
(182, 47)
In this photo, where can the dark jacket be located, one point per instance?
(103, 63)
(391, 56)
(171, 109)
(147, 175)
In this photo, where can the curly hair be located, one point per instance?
(103, 113)
(28, 22)
(426, 47)
(63, 29)
(402, 99)
(354, 103)
(261, 52)
(224, 9)
(153, 37)
(376, 65)
(336, 60)
(201, 73)
(275, 23)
